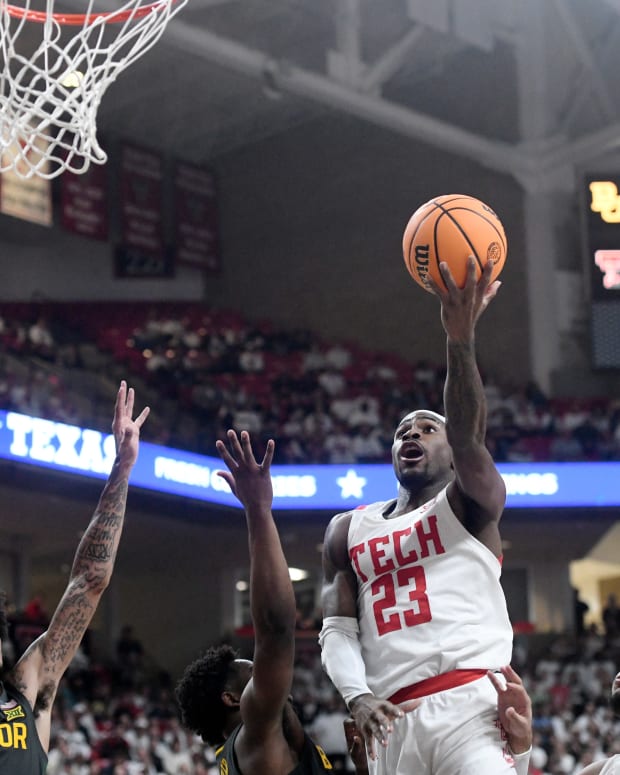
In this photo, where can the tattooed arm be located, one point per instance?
(478, 494)
(40, 669)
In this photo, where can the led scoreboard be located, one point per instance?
(602, 246)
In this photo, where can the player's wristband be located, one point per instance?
(522, 761)
(341, 656)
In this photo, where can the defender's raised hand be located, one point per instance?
(125, 429)
(250, 481)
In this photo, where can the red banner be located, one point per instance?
(196, 217)
(141, 211)
(84, 203)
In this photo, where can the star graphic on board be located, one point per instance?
(351, 485)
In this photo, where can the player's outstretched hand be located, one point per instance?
(373, 718)
(461, 307)
(126, 430)
(249, 480)
(514, 709)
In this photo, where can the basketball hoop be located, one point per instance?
(55, 69)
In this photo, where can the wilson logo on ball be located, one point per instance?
(421, 261)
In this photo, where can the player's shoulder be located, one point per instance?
(365, 508)
(341, 522)
(343, 518)
(338, 526)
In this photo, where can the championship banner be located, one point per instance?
(196, 219)
(84, 203)
(27, 198)
(141, 253)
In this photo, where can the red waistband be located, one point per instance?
(438, 683)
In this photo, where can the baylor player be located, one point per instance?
(244, 707)
(27, 692)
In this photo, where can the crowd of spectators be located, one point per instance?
(207, 370)
(572, 720)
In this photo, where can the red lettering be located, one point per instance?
(390, 623)
(432, 536)
(354, 553)
(412, 578)
(417, 594)
(398, 549)
(376, 554)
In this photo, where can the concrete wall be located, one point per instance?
(312, 223)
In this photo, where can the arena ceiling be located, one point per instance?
(524, 86)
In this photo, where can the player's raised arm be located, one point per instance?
(40, 669)
(479, 494)
(272, 599)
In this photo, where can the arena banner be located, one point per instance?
(141, 252)
(84, 203)
(71, 449)
(196, 217)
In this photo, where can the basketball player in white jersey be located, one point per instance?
(412, 602)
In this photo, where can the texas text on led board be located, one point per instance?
(75, 450)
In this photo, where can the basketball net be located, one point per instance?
(55, 69)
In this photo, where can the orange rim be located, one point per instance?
(80, 18)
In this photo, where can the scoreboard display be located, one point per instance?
(602, 246)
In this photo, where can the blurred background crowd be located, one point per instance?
(205, 370)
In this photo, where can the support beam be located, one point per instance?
(392, 60)
(345, 63)
(540, 241)
(348, 26)
(585, 148)
(303, 83)
(581, 91)
(584, 53)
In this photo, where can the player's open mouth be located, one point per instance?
(411, 452)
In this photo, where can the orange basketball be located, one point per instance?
(451, 228)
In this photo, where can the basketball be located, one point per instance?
(451, 228)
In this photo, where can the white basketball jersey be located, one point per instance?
(429, 597)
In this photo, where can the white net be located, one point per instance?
(55, 69)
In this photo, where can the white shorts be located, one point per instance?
(612, 766)
(454, 732)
